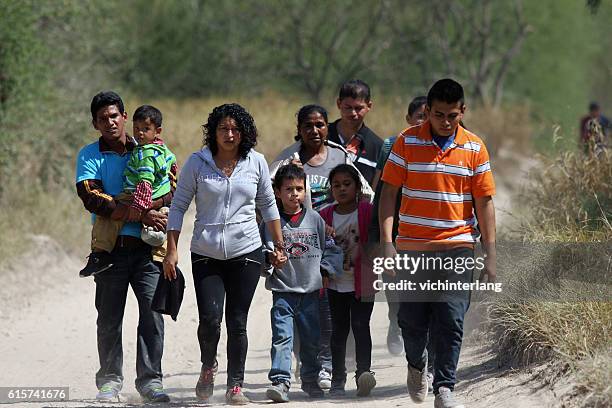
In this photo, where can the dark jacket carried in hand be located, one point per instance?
(169, 295)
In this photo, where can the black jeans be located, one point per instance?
(132, 267)
(441, 320)
(348, 312)
(233, 281)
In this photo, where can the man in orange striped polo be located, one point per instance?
(445, 177)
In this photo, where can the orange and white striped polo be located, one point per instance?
(438, 187)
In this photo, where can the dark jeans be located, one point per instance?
(443, 320)
(325, 322)
(348, 312)
(291, 310)
(132, 267)
(393, 301)
(233, 281)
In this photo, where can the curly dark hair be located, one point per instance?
(244, 122)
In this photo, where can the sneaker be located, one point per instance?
(108, 393)
(234, 396)
(97, 262)
(155, 395)
(417, 383)
(365, 383)
(324, 380)
(430, 378)
(312, 389)
(278, 392)
(206, 382)
(445, 399)
(337, 389)
(395, 342)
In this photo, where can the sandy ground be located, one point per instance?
(47, 338)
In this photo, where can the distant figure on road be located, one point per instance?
(594, 130)
(99, 179)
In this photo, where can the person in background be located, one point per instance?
(354, 102)
(594, 130)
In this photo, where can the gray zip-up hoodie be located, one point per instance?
(225, 225)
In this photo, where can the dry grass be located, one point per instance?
(570, 201)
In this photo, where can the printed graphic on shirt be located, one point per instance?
(347, 238)
(298, 243)
(319, 191)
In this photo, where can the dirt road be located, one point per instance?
(47, 338)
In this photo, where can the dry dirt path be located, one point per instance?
(47, 338)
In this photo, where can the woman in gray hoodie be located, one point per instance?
(228, 180)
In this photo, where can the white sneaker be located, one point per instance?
(430, 378)
(445, 399)
(324, 380)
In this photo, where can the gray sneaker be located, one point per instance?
(278, 392)
(108, 393)
(234, 396)
(430, 378)
(365, 383)
(417, 383)
(445, 399)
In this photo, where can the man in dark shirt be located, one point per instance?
(594, 120)
(362, 143)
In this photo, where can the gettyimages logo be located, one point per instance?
(430, 275)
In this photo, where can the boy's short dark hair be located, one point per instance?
(446, 90)
(288, 172)
(416, 103)
(145, 112)
(103, 99)
(356, 89)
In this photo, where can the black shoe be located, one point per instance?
(155, 395)
(278, 392)
(312, 389)
(98, 262)
(337, 389)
